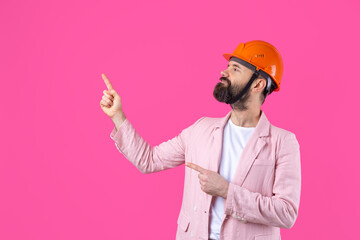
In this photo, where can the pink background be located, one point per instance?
(61, 176)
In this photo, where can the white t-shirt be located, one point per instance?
(234, 141)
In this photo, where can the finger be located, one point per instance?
(201, 177)
(104, 103)
(195, 167)
(107, 100)
(101, 104)
(107, 82)
(108, 95)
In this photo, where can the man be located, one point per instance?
(243, 175)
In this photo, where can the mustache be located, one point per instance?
(226, 79)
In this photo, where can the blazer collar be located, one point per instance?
(262, 128)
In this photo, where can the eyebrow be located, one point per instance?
(236, 65)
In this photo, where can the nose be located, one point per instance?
(223, 73)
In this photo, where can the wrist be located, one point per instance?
(226, 189)
(118, 119)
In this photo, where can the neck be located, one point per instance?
(248, 118)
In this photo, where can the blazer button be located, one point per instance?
(195, 208)
(192, 234)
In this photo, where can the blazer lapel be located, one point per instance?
(250, 152)
(217, 138)
(252, 148)
(216, 148)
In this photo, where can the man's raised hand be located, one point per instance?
(111, 102)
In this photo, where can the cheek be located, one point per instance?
(238, 75)
(244, 78)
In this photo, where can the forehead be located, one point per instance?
(239, 65)
(231, 62)
(242, 67)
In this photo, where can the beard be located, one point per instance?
(225, 92)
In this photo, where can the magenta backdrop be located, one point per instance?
(61, 176)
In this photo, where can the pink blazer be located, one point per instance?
(264, 195)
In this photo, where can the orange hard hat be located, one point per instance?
(262, 56)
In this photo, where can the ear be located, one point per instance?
(260, 84)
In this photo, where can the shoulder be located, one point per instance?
(205, 125)
(280, 132)
(283, 137)
(208, 122)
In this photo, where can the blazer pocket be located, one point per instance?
(183, 221)
(267, 162)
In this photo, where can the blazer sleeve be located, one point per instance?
(149, 159)
(280, 209)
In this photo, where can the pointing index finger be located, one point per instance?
(195, 167)
(107, 82)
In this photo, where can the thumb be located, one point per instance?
(113, 92)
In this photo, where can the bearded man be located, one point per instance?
(243, 175)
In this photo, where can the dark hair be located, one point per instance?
(272, 88)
